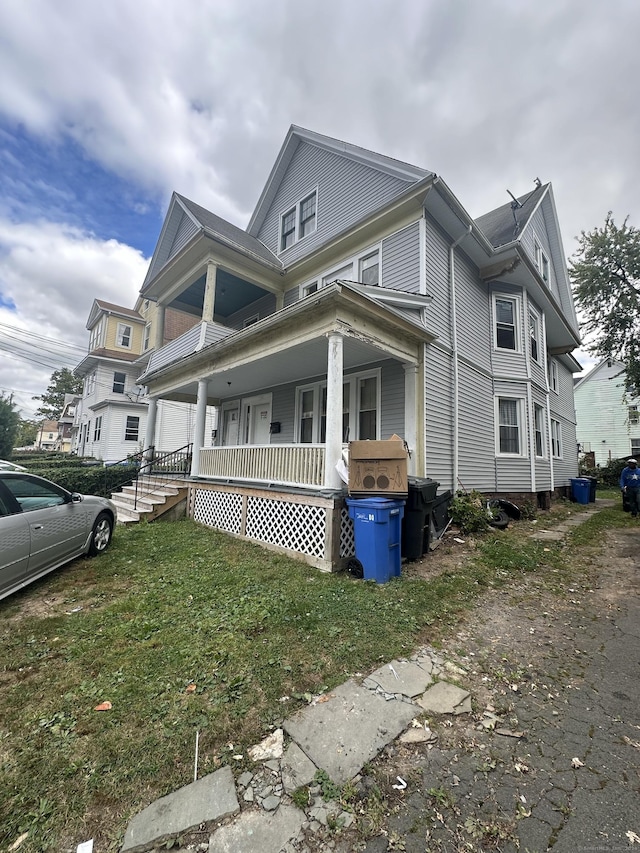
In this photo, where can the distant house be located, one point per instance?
(65, 423)
(111, 416)
(608, 418)
(362, 300)
(47, 435)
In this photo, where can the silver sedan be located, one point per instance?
(43, 526)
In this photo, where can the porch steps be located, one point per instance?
(156, 496)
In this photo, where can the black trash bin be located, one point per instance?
(417, 517)
(593, 483)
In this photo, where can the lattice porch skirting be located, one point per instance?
(309, 527)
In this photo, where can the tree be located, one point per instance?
(605, 272)
(52, 401)
(9, 419)
(27, 433)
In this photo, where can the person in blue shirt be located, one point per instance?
(630, 485)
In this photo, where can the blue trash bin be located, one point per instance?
(377, 524)
(580, 490)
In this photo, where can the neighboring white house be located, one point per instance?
(608, 419)
(361, 301)
(111, 416)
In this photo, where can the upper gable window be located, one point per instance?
(147, 337)
(541, 260)
(506, 329)
(95, 338)
(299, 221)
(554, 379)
(123, 336)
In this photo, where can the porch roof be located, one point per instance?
(291, 345)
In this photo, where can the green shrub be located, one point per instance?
(469, 512)
(96, 480)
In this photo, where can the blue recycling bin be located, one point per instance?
(377, 524)
(580, 490)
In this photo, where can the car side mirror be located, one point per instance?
(76, 498)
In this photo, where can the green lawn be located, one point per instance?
(186, 630)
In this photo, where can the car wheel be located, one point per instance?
(101, 534)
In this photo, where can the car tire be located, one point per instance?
(101, 534)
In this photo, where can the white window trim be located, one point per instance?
(326, 277)
(352, 380)
(558, 424)
(146, 340)
(517, 301)
(541, 260)
(535, 315)
(124, 382)
(295, 207)
(554, 376)
(521, 410)
(120, 334)
(539, 408)
(133, 417)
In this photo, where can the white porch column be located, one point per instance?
(198, 435)
(410, 414)
(333, 441)
(150, 433)
(158, 338)
(209, 302)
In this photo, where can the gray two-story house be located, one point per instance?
(363, 301)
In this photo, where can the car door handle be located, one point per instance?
(38, 526)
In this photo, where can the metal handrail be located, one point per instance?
(167, 464)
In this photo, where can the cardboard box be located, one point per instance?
(378, 468)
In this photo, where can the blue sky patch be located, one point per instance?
(54, 180)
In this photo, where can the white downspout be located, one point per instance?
(454, 355)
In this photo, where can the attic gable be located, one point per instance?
(296, 136)
(508, 222)
(100, 308)
(179, 226)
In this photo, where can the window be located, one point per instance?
(308, 289)
(288, 237)
(538, 414)
(369, 269)
(131, 428)
(33, 495)
(635, 447)
(509, 425)
(634, 416)
(554, 380)
(147, 337)
(95, 338)
(97, 429)
(506, 311)
(123, 337)
(540, 260)
(119, 380)
(360, 409)
(368, 408)
(556, 439)
(299, 221)
(345, 272)
(90, 384)
(307, 215)
(534, 335)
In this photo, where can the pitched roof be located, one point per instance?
(117, 309)
(229, 233)
(506, 223)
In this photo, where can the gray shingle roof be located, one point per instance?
(499, 225)
(228, 232)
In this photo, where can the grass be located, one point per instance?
(184, 630)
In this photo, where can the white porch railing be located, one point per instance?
(280, 464)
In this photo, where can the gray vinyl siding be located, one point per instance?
(291, 296)
(263, 307)
(438, 313)
(476, 435)
(347, 191)
(562, 403)
(438, 416)
(401, 260)
(538, 227)
(538, 368)
(567, 467)
(185, 231)
(392, 400)
(473, 315)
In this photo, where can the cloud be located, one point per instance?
(49, 276)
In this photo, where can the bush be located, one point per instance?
(469, 512)
(88, 481)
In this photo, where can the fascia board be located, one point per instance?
(173, 203)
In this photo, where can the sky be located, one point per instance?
(105, 109)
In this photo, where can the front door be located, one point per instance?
(231, 427)
(256, 419)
